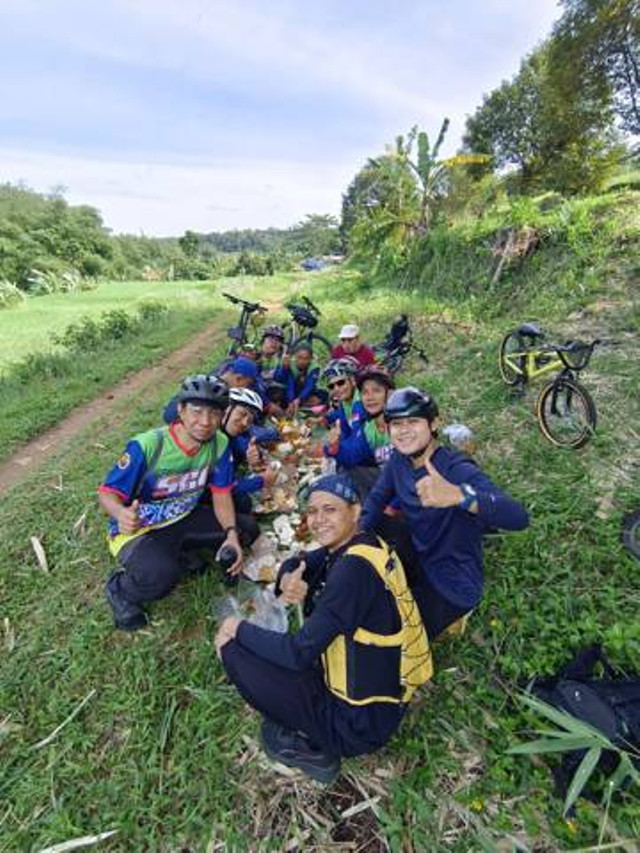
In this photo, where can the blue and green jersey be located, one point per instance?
(170, 488)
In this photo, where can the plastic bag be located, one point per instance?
(461, 436)
(268, 611)
(262, 562)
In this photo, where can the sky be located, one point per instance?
(210, 115)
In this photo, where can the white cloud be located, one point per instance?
(166, 199)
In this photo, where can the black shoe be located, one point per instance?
(295, 750)
(126, 615)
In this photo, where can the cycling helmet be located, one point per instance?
(378, 373)
(410, 402)
(340, 368)
(273, 332)
(247, 398)
(204, 389)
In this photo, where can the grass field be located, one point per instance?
(44, 382)
(27, 327)
(161, 750)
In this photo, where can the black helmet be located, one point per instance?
(273, 332)
(377, 373)
(410, 402)
(204, 389)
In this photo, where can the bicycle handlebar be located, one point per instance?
(311, 306)
(250, 306)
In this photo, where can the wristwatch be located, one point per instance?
(470, 496)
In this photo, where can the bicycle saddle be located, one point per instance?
(530, 330)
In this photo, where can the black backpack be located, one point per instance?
(610, 704)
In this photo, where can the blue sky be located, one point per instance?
(218, 114)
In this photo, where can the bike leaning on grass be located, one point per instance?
(252, 315)
(565, 409)
(397, 345)
(300, 328)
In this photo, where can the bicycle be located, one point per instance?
(565, 410)
(252, 313)
(397, 345)
(304, 319)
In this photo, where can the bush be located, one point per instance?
(82, 336)
(116, 324)
(88, 334)
(152, 311)
(10, 294)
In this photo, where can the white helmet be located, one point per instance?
(247, 398)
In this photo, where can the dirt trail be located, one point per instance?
(32, 455)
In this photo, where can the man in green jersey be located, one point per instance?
(152, 497)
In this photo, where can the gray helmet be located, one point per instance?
(210, 390)
(340, 368)
(273, 332)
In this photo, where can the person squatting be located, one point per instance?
(397, 532)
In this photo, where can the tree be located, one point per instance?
(556, 139)
(316, 235)
(597, 42)
(396, 197)
(190, 244)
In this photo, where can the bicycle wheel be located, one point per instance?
(566, 413)
(512, 343)
(631, 533)
(321, 346)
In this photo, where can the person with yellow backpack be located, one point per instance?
(341, 685)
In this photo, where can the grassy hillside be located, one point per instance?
(163, 751)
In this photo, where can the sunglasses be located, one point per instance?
(337, 384)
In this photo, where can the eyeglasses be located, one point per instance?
(337, 384)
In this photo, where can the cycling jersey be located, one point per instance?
(168, 484)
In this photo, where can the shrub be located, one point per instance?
(116, 324)
(152, 311)
(81, 336)
(10, 294)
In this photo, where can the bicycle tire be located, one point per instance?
(393, 362)
(509, 375)
(630, 533)
(314, 338)
(566, 413)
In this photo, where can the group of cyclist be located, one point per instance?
(398, 524)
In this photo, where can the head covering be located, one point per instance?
(410, 402)
(349, 331)
(244, 367)
(303, 346)
(340, 485)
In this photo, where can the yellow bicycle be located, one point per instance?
(565, 410)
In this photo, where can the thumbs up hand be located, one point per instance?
(254, 459)
(294, 588)
(434, 491)
(128, 518)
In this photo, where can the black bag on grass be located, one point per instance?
(610, 704)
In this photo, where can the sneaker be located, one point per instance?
(126, 615)
(294, 749)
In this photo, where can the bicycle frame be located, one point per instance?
(532, 368)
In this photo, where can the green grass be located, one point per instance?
(166, 753)
(27, 327)
(48, 382)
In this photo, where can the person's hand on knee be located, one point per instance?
(226, 632)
